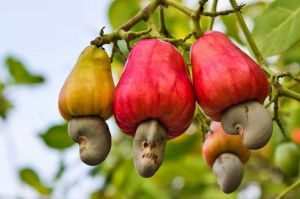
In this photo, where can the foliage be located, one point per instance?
(184, 173)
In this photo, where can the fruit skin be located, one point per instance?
(154, 85)
(89, 88)
(218, 142)
(224, 76)
(286, 158)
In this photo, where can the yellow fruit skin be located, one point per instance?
(89, 88)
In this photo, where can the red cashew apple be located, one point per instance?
(225, 154)
(231, 87)
(153, 101)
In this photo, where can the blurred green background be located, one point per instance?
(40, 160)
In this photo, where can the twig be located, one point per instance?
(163, 28)
(276, 116)
(213, 10)
(222, 13)
(289, 189)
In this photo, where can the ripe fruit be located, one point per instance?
(153, 101)
(225, 154)
(230, 87)
(86, 101)
(287, 158)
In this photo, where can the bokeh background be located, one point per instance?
(39, 44)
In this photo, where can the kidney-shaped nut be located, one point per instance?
(93, 136)
(229, 171)
(251, 120)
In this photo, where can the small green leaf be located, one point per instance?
(5, 106)
(20, 74)
(60, 170)
(30, 177)
(177, 23)
(57, 137)
(278, 28)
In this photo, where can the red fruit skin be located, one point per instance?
(218, 142)
(154, 85)
(223, 75)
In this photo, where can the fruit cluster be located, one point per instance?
(155, 99)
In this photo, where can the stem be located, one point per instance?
(223, 13)
(289, 189)
(250, 40)
(189, 12)
(163, 28)
(213, 10)
(282, 91)
(141, 15)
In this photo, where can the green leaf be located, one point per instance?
(61, 169)
(121, 11)
(30, 177)
(20, 74)
(278, 28)
(176, 23)
(57, 137)
(292, 55)
(5, 105)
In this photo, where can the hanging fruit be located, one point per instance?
(231, 87)
(225, 154)
(153, 101)
(85, 100)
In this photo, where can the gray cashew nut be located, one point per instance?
(229, 171)
(251, 120)
(148, 147)
(93, 136)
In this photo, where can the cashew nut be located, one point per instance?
(251, 120)
(93, 136)
(148, 147)
(229, 171)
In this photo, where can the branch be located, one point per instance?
(289, 189)
(141, 15)
(282, 91)
(213, 10)
(213, 13)
(276, 116)
(163, 28)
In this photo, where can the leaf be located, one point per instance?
(292, 55)
(176, 23)
(278, 28)
(57, 137)
(5, 106)
(61, 169)
(121, 11)
(30, 177)
(20, 74)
